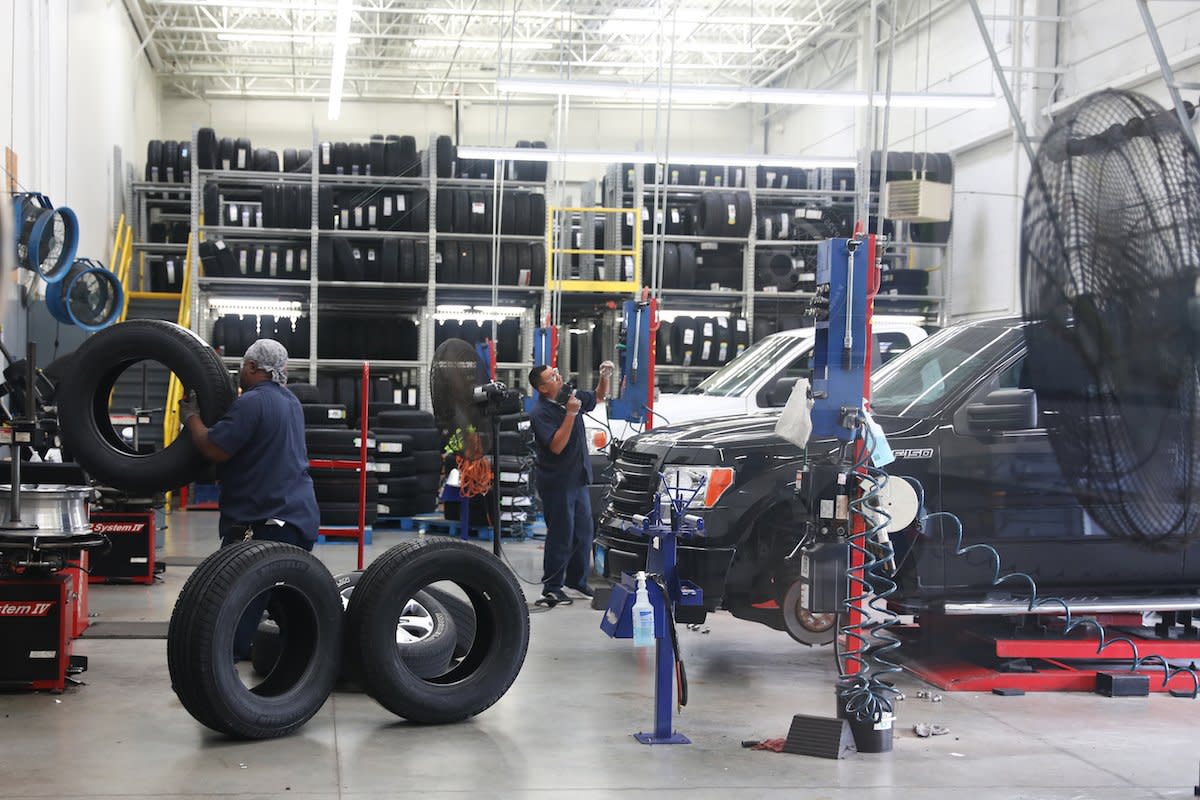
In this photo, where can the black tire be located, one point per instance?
(408, 262)
(461, 220)
(392, 160)
(324, 208)
(388, 468)
(513, 443)
(345, 491)
(357, 159)
(291, 159)
(463, 615)
(445, 211)
(324, 414)
(168, 168)
(684, 345)
(428, 460)
(201, 633)
(154, 160)
(389, 444)
(225, 153)
(448, 268)
(389, 265)
(402, 487)
(335, 441)
(404, 419)
(687, 266)
(444, 157)
(723, 340)
(501, 639)
(670, 277)
(520, 213)
(243, 154)
(347, 265)
(466, 262)
(537, 214)
(482, 263)
(346, 514)
(376, 158)
(341, 158)
(83, 397)
(206, 149)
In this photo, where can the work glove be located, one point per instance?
(573, 404)
(606, 369)
(188, 407)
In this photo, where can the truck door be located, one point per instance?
(1001, 477)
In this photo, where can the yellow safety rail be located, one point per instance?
(124, 263)
(555, 283)
(174, 386)
(120, 234)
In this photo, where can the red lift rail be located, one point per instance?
(360, 465)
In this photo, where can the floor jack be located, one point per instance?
(672, 598)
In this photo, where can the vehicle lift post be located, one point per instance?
(672, 598)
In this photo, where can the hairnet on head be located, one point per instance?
(271, 356)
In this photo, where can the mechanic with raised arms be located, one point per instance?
(563, 475)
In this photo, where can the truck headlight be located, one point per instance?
(715, 481)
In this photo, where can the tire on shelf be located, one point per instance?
(537, 214)
(671, 276)
(345, 514)
(706, 344)
(305, 392)
(376, 157)
(687, 266)
(83, 398)
(243, 153)
(684, 342)
(500, 643)
(444, 157)
(407, 266)
(521, 210)
(389, 261)
(347, 265)
(200, 639)
(461, 215)
(447, 268)
(324, 414)
(426, 461)
(406, 419)
(154, 160)
(206, 149)
(483, 263)
(345, 491)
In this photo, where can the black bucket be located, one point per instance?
(869, 736)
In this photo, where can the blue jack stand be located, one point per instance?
(669, 596)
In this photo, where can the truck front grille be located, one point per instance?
(635, 479)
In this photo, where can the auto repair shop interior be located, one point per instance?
(890, 309)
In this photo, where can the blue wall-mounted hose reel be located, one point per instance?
(47, 237)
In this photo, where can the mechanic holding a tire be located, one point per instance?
(266, 491)
(563, 475)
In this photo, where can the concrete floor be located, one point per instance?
(564, 728)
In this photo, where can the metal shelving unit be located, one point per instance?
(309, 292)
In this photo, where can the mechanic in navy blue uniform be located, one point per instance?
(563, 475)
(261, 456)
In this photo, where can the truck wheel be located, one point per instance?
(802, 624)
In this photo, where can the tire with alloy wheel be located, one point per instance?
(483, 675)
(301, 594)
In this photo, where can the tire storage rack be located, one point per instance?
(339, 259)
(738, 253)
(344, 504)
(159, 204)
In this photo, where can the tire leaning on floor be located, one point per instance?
(501, 636)
(87, 430)
(201, 633)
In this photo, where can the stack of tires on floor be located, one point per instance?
(328, 436)
(518, 500)
(408, 462)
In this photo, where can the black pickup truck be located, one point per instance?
(964, 427)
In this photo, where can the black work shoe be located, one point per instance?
(584, 590)
(555, 597)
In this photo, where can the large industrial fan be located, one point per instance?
(1110, 257)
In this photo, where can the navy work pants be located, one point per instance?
(568, 553)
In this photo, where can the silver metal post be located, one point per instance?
(1013, 109)
(1168, 74)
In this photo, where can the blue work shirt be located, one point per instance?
(266, 476)
(571, 468)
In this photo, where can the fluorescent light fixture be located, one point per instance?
(483, 44)
(285, 38)
(341, 42)
(630, 157)
(256, 305)
(722, 95)
(498, 313)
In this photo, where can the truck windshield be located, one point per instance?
(738, 376)
(915, 383)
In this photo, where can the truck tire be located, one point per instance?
(501, 637)
(83, 398)
(201, 635)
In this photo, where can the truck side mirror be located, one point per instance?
(1003, 410)
(778, 396)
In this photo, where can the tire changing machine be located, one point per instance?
(44, 539)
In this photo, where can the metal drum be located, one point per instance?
(55, 510)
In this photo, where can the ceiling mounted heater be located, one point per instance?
(917, 201)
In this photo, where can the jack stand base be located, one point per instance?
(650, 738)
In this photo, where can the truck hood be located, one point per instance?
(716, 441)
(679, 408)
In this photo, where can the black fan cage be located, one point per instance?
(454, 373)
(1110, 255)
